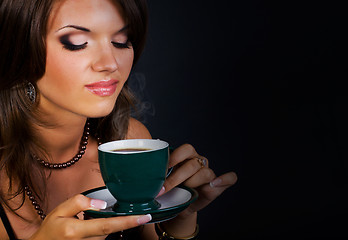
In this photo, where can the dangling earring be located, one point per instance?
(31, 92)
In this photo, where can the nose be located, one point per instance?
(105, 61)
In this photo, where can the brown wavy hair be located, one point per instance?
(23, 27)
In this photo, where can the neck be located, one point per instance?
(62, 140)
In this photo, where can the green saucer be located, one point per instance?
(172, 203)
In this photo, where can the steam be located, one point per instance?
(144, 107)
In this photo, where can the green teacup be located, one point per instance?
(134, 172)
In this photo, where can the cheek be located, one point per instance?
(60, 64)
(62, 70)
(125, 62)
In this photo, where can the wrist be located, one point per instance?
(181, 226)
(163, 235)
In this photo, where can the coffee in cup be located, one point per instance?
(134, 171)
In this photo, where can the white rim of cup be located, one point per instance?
(127, 143)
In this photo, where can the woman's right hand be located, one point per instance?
(61, 223)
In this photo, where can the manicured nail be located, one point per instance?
(161, 192)
(216, 182)
(144, 219)
(98, 204)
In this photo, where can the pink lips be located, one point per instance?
(103, 88)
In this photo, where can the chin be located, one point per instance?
(100, 111)
(99, 114)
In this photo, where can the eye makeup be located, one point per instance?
(78, 40)
(67, 44)
(120, 39)
(121, 45)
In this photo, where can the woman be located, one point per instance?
(64, 67)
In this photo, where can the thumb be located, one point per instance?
(77, 204)
(59, 224)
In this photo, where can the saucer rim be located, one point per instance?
(179, 207)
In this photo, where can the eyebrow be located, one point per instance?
(76, 27)
(124, 29)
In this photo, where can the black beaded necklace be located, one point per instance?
(75, 159)
(78, 156)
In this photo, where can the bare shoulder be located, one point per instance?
(137, 130)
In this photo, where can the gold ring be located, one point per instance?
(202, 161)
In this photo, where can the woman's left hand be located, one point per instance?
(192, 170)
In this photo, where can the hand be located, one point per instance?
(192, 170)
(61, 223)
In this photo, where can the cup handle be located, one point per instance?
(170, 170)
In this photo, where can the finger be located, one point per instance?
(208, 193)
(182, 173)
(227, 179)
(203, 176)
(77, 204)
(182, 153)
(106, 226)
(212, 190)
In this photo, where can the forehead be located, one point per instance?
(94, 14)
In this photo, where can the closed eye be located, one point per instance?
(67, 44)
(121, 45)
(73, 47)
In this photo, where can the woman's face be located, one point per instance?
(88, 60)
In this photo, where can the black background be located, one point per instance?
(258, 87)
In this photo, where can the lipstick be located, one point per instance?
(103, 88)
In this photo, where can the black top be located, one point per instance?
(7, 224)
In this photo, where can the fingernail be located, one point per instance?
(216, 182)
(144, 219)
(98, 204)
(161, 192)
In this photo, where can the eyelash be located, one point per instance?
(71, 47)
(120, 45)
